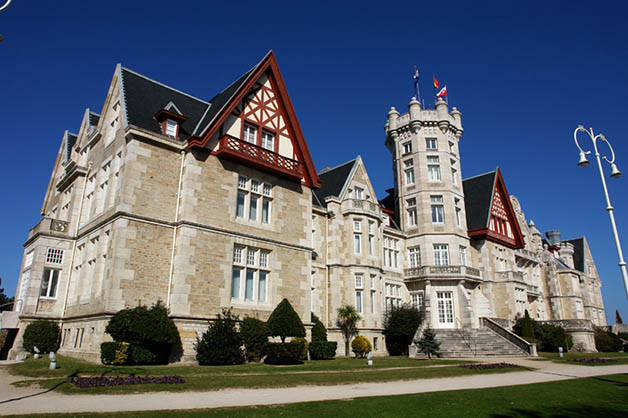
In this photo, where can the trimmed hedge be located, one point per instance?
(319, 332)
(361, 346)
(284, 353)
(285, 322)
(400, 326)
(42, 334)
(255, 337)
(323, 350)
(141, 355)
(303, 341)
(547, 336)
(607, 342)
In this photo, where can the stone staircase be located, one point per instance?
(476, 342)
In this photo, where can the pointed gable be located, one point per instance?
(253, 121)
(490, 214)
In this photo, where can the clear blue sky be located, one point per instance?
(523, 77)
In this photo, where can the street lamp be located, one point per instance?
(615, 173)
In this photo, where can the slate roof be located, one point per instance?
(219, 101)
(478, 193)
(578, 255)
(70, 140)
(389, 201)
(144, 97)
(333, 180)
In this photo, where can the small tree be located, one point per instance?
(428, 344)
(400, 325)
(617, 317)
(361, 346)
(42, 334)
(347, 321)
(319, 332)
(285, 322)
(527, 329)
(6, 303)
(221, 344)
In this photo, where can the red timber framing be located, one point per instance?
(502, 225)
(264, 112)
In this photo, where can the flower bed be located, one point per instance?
(90, 382)
(487, 366)
(592, 360)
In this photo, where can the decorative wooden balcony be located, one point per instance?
(258, 157)
(442, 272)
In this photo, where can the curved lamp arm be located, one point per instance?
(5, 5)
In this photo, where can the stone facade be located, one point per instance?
(192, 211)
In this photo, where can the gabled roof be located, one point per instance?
(479, 194)
(144, 97)
(69, 139)
(223, 104)
(93, 118)
(334, 181)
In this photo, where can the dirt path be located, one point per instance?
(29, 400)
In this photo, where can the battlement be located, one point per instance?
(418, 117)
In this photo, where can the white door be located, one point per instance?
(445, 302)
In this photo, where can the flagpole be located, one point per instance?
(416, 83)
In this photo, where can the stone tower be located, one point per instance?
(430, 209)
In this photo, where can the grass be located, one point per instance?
(621, 358)
(602, 396)
(69, 366)
(207, 378)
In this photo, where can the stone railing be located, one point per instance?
(527, 255)
(361, 206)
(509, 276)
(442, 271)
(571, 325)
(508, 335)
(533, 290)
(259, 157)
(49, 225)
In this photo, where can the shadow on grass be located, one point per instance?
(583, 411)
(615, 382)
(33, 394)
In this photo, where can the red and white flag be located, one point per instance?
(442, 92)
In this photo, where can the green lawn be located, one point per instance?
(621, 358)
(217, 381)
(69, 366)
(603, 396)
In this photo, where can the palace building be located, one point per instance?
(210, 204)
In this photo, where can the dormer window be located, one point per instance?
(171, 128)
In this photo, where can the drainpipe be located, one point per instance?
(327, 269)
(174, 230)
(76, 229)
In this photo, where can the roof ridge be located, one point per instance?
(94, 113)
(164, 85)
(338, 166)
(480, 175)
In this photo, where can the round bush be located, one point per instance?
(42, 334)
(361, 346)
(141, 355)
(115, 353)
(285, 322)
(323, 350)
(221, 343)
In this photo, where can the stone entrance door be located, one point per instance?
(445, 302)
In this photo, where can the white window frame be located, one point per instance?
(254, 263)
(357, 243)
(249, 133)
(414, 256)
(47, 291)
(438, 209)
(433, 168)
(172, 128)
(462, 250)
(268, 140)
(54, 256)
(431, 144)
(441, 254)
(407, 147)
(254, 200)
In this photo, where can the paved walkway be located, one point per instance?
(30, 401)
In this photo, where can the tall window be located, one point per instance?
(416, 299)
(408, 166)
(257, 197)
(415, 257)
(458, 211)
(412, 217)
(171, 128)
(431, 143)
(454, 175)
(28, 260)
(452, 147)
(391, 252)
(373, 279)
(268, 140)
(358, 292)
(49, 282)
(463, 256)
(441, 254)
(371, 238)
(433, 169)
(358, 192)
(407, 148)
(249, 133)
(249, 280)
(438, 211)
(393, 295)
(357, 236)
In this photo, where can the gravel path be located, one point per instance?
(30, 400)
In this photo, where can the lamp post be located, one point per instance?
(615, 173)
